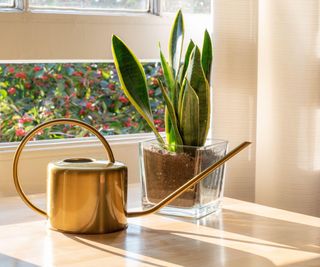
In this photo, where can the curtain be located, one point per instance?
(267, 90)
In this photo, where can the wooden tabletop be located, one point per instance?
(243, 234)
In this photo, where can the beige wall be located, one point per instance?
(30, 36)
(33, 164)
(288, 132)
(49, 36)
(235, 87)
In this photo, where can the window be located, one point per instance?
(153, 6)
(108, 5)
(32, 38)
(188, 6)
(33, 93)
(11, 5)
(6, 3)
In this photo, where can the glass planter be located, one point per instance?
(164, 169)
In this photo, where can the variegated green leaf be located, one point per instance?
(133, 81)
(196, 77)
(176, 42)
(186, 60)
(174, 99)
(170, 137)
(189, 119)
(167, 72)
(172, 115)
(207, 55)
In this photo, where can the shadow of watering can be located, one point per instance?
(89, 196)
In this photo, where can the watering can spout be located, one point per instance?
(190, 183)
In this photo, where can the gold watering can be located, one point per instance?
(89, 196)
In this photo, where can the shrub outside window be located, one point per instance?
(34, 93)
(188, 6)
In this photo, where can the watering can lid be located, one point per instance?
(86, 163)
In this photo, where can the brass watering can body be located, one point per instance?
(87, 196)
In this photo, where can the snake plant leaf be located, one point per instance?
(176, 42)
(197, 79)
(170, 136)
(189, 119)
(186, 60)
(171, 139)
(133, 81)
(207, 55)
(171, 84)
(167, 72)
(176, 95)
(184, 70)
(168, 75)
(172, 115)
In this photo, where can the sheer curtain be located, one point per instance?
(267, 90)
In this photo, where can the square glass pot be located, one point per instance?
(164, 169)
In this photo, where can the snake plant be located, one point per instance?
(186, 89)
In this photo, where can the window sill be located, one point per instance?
(90, 17)
(48, 145)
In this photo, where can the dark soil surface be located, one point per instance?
(166, 171)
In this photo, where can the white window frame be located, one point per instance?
(23, 6)
(17, 7)
(23, 30)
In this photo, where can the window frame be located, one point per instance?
(154, 8)
(17, 7)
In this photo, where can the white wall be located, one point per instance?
(235, 89)
(288, 132)
(31, 36)
(34, 160)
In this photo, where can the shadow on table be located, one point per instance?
(137, 245)
(298, 235)
(242, 233)
(7, 261)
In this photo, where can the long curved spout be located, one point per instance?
(190, 183)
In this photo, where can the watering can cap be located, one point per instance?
(86, 164)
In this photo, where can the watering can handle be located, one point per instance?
(32, 133)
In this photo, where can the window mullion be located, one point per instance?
(24, 4)
(155, 7)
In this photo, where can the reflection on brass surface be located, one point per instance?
(88, 196)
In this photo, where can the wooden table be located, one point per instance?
(243, 234)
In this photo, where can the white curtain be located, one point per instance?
(267, 90)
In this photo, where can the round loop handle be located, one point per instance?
(32, 133)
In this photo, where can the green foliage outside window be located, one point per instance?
(34, 93)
